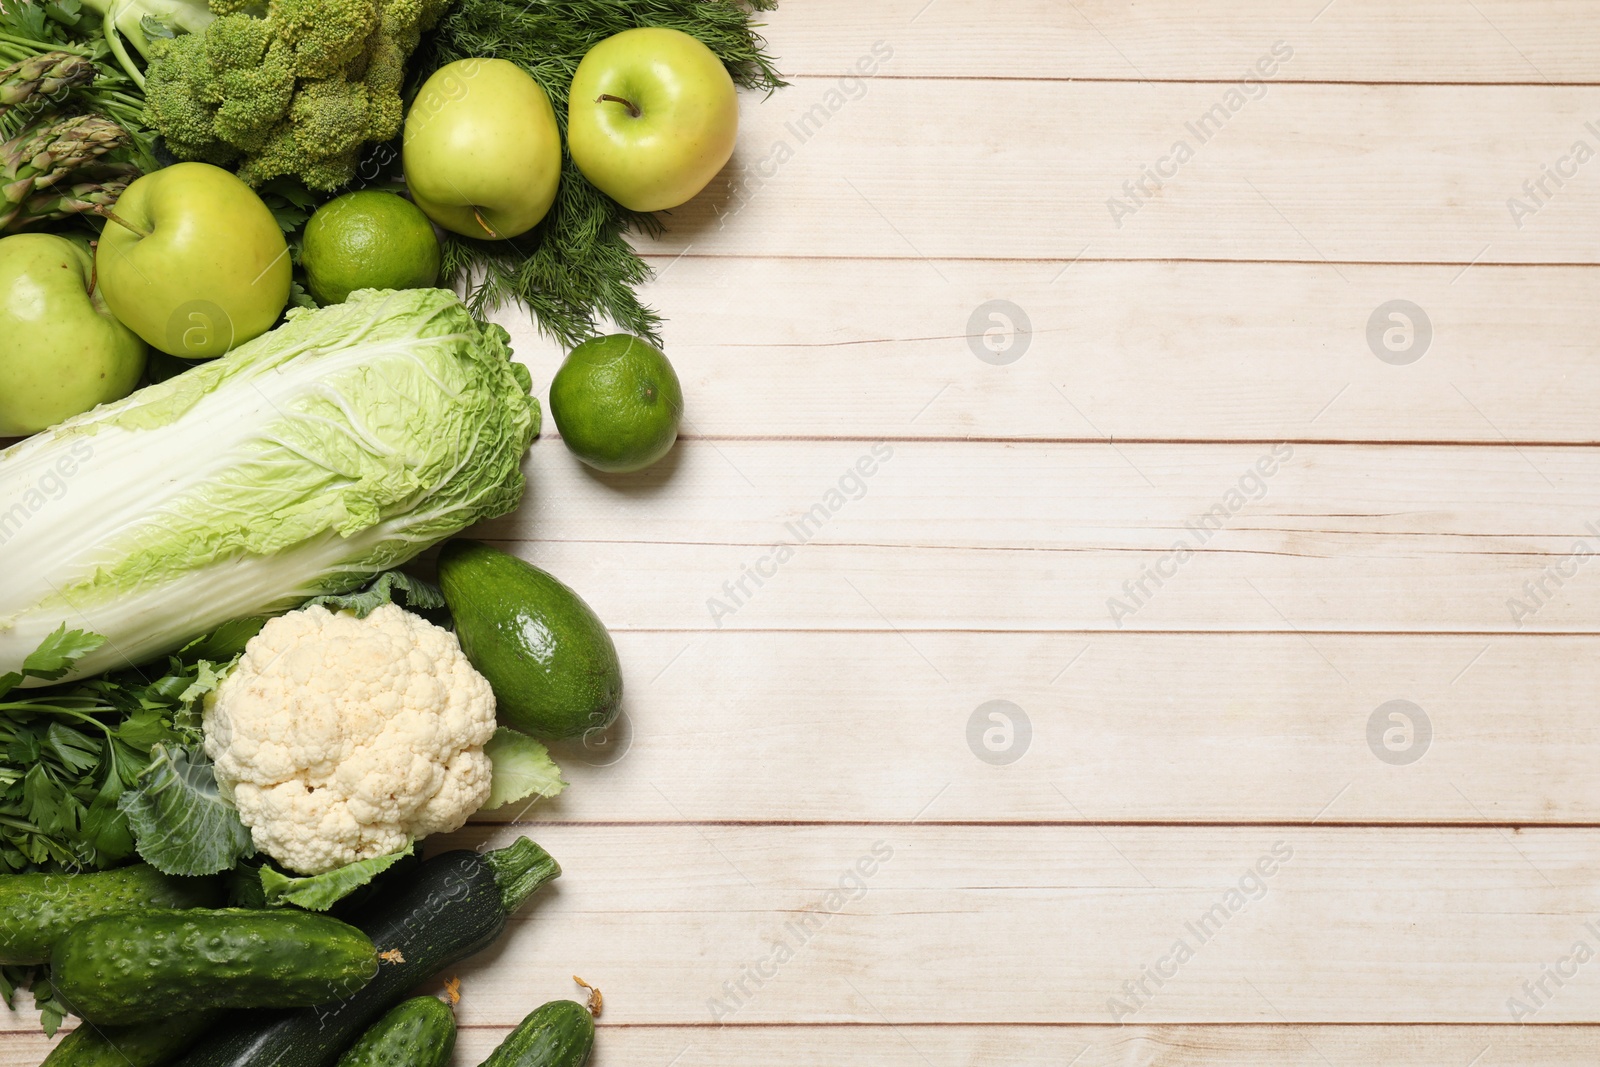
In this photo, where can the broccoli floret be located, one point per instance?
(325, 34)
(249, 77)
(296, 91)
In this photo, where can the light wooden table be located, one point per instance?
(1211, 755)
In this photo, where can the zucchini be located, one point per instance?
(145, 1045)
(132, 968)
(37, 908)
(421, 1032)
(557, 1034)
(455, 905)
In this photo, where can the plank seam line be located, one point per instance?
(1186, 442)
(1201, 824)
(836, 258)
(1109, 631)
(1047, 79)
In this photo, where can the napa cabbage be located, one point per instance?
(301, 464)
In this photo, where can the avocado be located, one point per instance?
(547, 655)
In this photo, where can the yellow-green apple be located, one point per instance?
(61, 351)
(193, 261)
(651, 118)
(482, 152)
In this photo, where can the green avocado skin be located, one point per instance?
(551, 663)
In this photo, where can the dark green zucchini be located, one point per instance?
(145, 1045)
(421, 1032)
(557, 1034)
(131, 968)
(36, 909)
(456, 904)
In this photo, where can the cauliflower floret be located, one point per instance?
(340, 738)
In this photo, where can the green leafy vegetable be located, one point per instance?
(303, 463)
(29, 28)
(69, 752)
(576, 266)
(319, 892)
(522, 768)
(390, 587)
(179, 819)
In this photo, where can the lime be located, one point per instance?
(616, 401)
(368, 240)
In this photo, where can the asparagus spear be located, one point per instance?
(60, 202)
(48, 151)
(42, 77)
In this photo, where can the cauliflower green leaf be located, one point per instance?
(180, 822)
(319, 892)
(390, 587)
(522, 768)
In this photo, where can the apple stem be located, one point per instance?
(633, 109)
(106, 212)
(486, 227)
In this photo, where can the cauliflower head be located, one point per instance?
(341, 739)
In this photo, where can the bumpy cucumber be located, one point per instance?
(131, 968)
(421, 1032)
(557, 1034)
(145, 1045)
(36, 909)
(455, 904)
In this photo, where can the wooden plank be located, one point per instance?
(944, 535)
(1102, 728)
(1095, 1046)
(1347, 40)
(1201, 351)
(1009, 925)
(939, 170)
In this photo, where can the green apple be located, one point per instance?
(482, 151)
(651, 118)
(193, 261)
(61, 351)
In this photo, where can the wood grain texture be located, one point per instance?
(1008, 925)
(1348, 40)
(973, 535)
(854, 727)
(1011, 1046)
(1150, 351)
(930, 171)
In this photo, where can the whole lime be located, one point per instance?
(617, 402)
(368, 239)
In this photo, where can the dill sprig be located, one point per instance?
(576, 267)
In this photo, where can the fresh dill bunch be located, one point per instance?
(576, 266)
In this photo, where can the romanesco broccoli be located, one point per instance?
(295, 91)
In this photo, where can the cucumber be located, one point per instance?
(557, 1034)
(421, 1032)
(36, 909)
(455, 905)
(145, 1045)
(132, 968)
